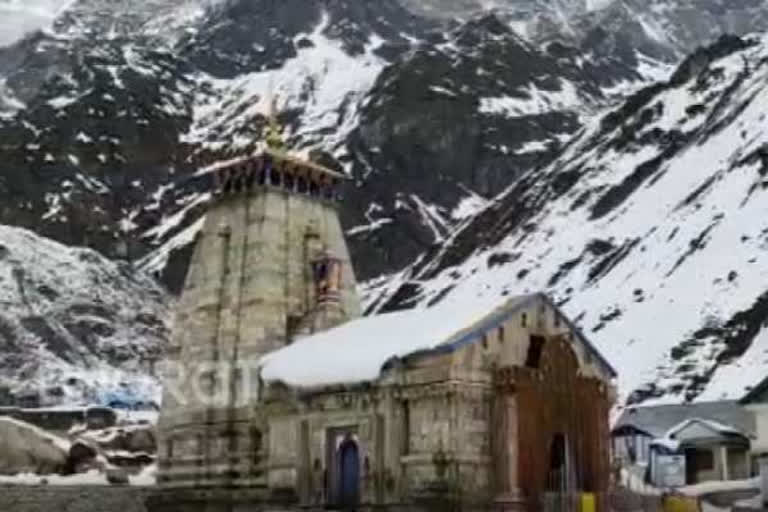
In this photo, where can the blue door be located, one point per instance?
(349, 483)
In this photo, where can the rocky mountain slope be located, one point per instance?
(106, 112)
(650, 229)
(74, 324)
(673, 27)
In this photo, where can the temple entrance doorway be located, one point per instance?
(560, 495)
(343, 482)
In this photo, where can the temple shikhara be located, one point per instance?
(280, 393)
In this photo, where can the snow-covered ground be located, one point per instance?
(80, 326)
(147, 477)
(533, 101)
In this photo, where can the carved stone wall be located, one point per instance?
(73, 499)
(250, 281)
(302, 444)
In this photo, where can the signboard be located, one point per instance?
(763, 461)
(670, 470)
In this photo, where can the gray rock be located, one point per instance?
(117, 476)
(26, 449)
(82, 456)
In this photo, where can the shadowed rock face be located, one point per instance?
(674, 27)
(521, 9)
(431, 136)
(239, 37)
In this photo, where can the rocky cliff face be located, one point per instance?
(74, 324)
(674, 27)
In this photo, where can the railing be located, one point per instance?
(624, 500)
(617, 500)
(562, 502)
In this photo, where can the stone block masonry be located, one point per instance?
(44, 498)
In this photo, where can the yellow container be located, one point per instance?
(681, 504)
(588, 502)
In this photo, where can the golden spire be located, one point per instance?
(274, 136)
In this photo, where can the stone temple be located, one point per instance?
(279, 396)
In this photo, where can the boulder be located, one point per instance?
(25, 448)
(117, 476)
(82, 456)
(133, 438)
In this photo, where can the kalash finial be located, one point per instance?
(274, 137)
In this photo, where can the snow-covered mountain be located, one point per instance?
(670, 27)
(107, 112)
(109, 109)
(651, 229)
(74, 324)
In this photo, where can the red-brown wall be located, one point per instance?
(555, 400)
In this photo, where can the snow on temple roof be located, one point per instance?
(358, 350)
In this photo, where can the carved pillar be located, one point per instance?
(505, 441)
(305, 490)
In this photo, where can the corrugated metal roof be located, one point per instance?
(656, 421)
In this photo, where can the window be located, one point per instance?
(289, 181)
(535, 349)
(557, 319)
(630, 448)
(501, 334)
(524, 320)
(701, 460)
(275, 178)
(484, 342)
(255, 435)
(406, 448)
(642, 448)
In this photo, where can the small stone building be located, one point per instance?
(304, 403)
(713, 439)
(756, 402)
(474, 403)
